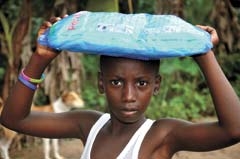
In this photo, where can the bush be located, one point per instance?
(180, 95)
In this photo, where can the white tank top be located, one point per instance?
(130, 151)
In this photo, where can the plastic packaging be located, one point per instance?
(140, 36)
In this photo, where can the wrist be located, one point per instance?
(203, 57)
(206, 61)
(37, 65)
(46, 52)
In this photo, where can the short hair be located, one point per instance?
(154, 63)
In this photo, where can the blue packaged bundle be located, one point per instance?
(140, 36)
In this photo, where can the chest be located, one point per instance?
(110, 147)
(142, 143)
(117, 147)
(134, 146)
(122, 144)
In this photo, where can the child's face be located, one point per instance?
(129, 86)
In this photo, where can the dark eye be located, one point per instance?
(142, 83)
(116, 82)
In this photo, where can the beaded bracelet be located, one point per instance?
(37, 81)
(27, 83)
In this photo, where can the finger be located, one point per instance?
(210, 29)
(214, 35)
(46, 24)
(64, 16)
(207, 28)
(54, 19)
(212, 32)
(43, 27)
(201, 27)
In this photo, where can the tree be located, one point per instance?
(174, 7)
(225, 20)
(65, 72)
(18, 39)
(13, 37)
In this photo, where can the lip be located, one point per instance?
(128, 112)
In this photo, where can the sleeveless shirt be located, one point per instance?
(132, 148)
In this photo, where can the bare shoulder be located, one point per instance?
(84, 119)
(162, 129)
(171, 135)
(88, 117)
(168, 124)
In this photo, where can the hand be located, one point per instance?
(43, 54)
(44, 51)
(214, 40)
(212, 32)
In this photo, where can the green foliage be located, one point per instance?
(145, 6)
(100, 5)
(236, 84)
(1, 73)
(180, 95)
(90, 64)
(231, 68)
(11, 8)
(8, 21)
(197, 11)
(3, 64)
(92, 97)
(41, 98)
(36, 23)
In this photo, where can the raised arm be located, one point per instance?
(18, 104)
(225, 99)
(219, 134)
(16, 113)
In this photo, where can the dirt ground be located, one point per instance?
(69, 148)
(72, 148)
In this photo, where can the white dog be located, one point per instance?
(64, 103)
(6, 137)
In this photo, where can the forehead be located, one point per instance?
(108, 63)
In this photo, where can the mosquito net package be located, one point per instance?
(140, 36)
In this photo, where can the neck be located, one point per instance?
(114, 126)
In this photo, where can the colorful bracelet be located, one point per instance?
(27, 83)
(37, 81)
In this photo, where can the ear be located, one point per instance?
(100, 83)
(158, 79)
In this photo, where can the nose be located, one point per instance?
(129, 93)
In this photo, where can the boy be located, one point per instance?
(128, 85)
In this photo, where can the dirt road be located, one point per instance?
(71, 149)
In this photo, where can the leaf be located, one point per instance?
(102, 6)
(4, 23)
